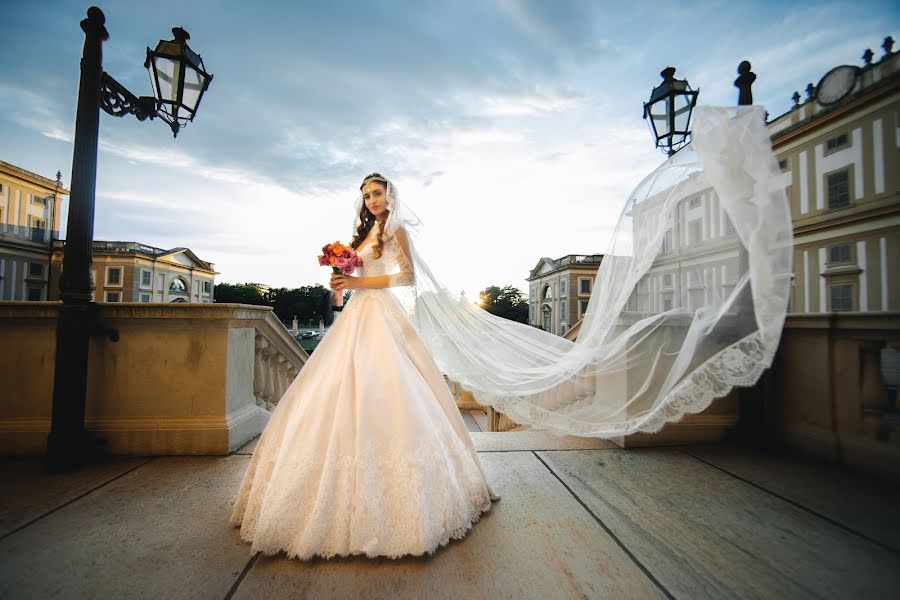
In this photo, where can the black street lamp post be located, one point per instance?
(179, 85)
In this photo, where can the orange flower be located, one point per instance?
(331, 260)
(338, 249)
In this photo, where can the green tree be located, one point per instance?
(304, 302)
(307, 303)
(508, 302)
(243, 293)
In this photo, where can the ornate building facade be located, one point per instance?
(133, 272)
(839, 151)
(559, 290)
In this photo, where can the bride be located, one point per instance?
(366, 453)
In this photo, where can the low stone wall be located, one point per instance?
(181, 379)
(827, 397)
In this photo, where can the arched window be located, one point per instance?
(548, 293)
(177, 286)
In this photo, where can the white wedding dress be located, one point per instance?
(366, 452)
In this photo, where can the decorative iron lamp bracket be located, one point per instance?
(116, 100)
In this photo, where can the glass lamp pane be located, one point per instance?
(167, 71)
(682, 112)
(660, 118)
(193, 86)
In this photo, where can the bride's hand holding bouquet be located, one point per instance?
(343, 260)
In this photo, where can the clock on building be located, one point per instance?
(836, 84)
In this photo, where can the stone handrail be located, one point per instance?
(181, 379)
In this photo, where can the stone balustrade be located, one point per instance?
(827, 396)
(181, 379)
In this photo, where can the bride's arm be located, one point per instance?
(406, 276)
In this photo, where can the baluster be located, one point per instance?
(259, 380)
(871, 390)
(269, 390)
(277, 378)
(896, 347)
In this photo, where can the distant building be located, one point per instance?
(559, 290)
(29, 223)
(133, 272)
(31, 255)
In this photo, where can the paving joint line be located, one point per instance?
(75, 499)
(608, 531)
(243, 574)
(811, 511)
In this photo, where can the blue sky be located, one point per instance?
(512, 127)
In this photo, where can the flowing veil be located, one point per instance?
(688, 302)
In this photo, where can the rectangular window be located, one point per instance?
(34, 294)
(667, 242)
(841, 253)
(35, 269)
(694, 203)
(562, 287)
(38, 200)
(146, 277)
(839, 189)
(842, 297)
(584, 286)
(562, 310)
(837, 142)
(667, 280)
(695, 230)
(145, 297)
(582, 307)
(207, 287)
(114, 276)
(37, 229)
(667, 304)
(729, 226)
(783, 165)
(112, 296)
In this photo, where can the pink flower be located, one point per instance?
(357, 261)
(323, 261)
(348, 253)
(348, 269)
(341, 262)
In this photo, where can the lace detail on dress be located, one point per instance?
(393, 262)
(380, 501)
(405, 276)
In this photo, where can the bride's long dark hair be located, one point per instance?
(367, 219)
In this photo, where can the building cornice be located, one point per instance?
(798, 130)
(33, 178)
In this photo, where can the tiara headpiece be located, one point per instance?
(373, 177)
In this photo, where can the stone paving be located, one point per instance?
(579, 518)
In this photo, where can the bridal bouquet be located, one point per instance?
(341, 259)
